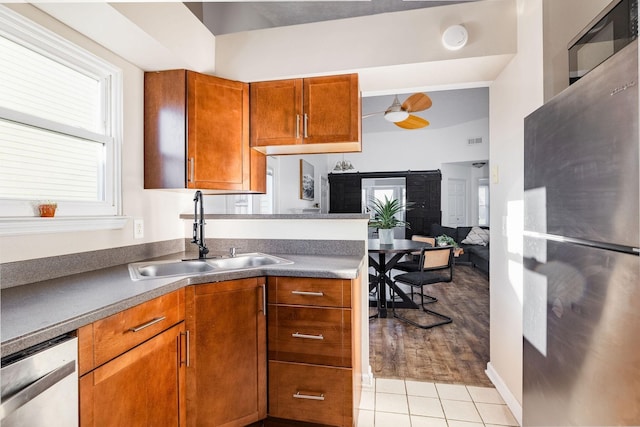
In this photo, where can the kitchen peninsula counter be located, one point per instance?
(33, 313)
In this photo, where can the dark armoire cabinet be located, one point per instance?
(345, 193)
(423, 193)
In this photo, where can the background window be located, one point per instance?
(483, 201)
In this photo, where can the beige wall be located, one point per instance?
(389, 51)
(514, 94)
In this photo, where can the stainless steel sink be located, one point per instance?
(244, 261)
(169, 268)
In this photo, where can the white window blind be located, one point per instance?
(60, 116)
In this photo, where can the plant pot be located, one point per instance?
(386, 236)
(47, 210)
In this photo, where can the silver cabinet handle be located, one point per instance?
(306, 125)
(186, 345)
(192, 165)
(31, 391)
(188, 349)
(298, 395)
(297, 126)
(264, 299)
(308, 337)
(306, 293)
(146, 325)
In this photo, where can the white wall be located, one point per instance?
(389, 51)
(420, 149)
(158, 209)
(288, 181)
(514, 94)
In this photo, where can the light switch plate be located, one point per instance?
(495, 178)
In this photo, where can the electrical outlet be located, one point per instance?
(138, 228)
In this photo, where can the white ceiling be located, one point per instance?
(236, 16)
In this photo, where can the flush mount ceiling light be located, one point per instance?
(455, 37)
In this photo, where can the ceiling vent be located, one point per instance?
(474, 141)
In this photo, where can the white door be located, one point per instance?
(457, 190)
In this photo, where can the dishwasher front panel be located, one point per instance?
(39, 386)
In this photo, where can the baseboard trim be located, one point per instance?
(367, 378)
(507, 396)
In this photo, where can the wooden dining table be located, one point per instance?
(378, 260)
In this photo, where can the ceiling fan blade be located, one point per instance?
(413, 122)
(364, 116)
(416, 102)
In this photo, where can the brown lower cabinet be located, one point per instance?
(314, 350)
(132, 366)
(198, 356)
(227, 372)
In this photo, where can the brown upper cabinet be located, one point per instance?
(196, 134)
(303, 116)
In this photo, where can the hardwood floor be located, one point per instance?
(454, 353)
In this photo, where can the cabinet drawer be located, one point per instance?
(122, 331)
(310, 291)
(310, 335)
(316, 394)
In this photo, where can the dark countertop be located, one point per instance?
(33, 313)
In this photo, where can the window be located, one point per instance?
(483, 201)
(254, 203)
(60, 124)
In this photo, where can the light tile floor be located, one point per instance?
(405, 403)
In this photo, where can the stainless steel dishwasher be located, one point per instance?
(39, 385)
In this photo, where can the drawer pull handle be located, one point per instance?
(308, 396)
(309, 337)
(305, 293)
(146, 325)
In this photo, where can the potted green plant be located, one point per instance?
(385, 218)
(444, 240)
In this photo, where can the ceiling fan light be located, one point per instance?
(396, 116)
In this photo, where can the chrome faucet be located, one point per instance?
(198, 226)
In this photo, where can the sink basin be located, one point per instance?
(169, 268)
(244, 261)
(153, 269)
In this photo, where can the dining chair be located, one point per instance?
(436, 266)
(413, 263)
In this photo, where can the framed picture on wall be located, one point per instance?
(306, 181)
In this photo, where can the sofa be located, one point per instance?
(476, 255)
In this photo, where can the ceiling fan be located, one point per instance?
(399, 114)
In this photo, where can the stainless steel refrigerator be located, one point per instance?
(581, 316)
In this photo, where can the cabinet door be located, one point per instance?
(332, 109)
(141, 387)
(226, 377)
(219, 156)
(164, 129)
(196, 134)
(276, 113)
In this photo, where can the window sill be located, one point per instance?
(36, 225)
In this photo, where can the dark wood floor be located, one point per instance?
(454, 353)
